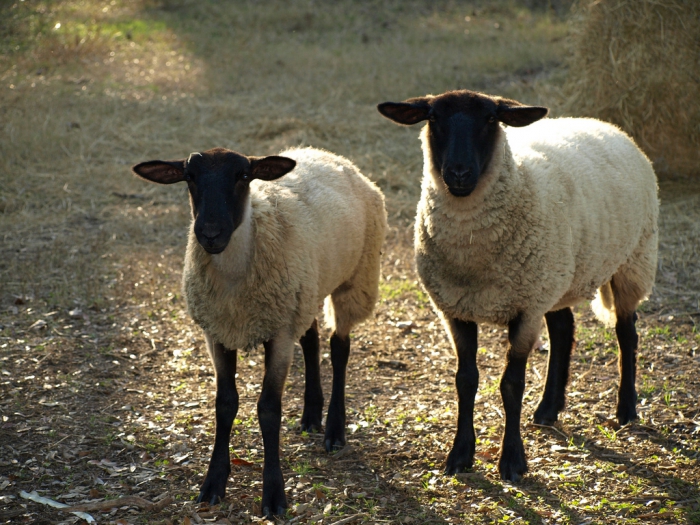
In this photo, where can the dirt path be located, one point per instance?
(103, 403)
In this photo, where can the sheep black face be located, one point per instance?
(462, 131)
(218, 181)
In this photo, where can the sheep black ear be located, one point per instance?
(412, 111)
(519, 116)
(160, 171)
(270, 168)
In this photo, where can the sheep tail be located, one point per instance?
(329, 314)
(603, 305)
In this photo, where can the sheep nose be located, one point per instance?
(212, 235)
(211, 230)
(458, 176)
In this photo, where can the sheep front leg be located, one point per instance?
(278, 358)
(214, 486)
(522, 334)
(313, 393)
(560, 325)
(335, 422)
(464, 338)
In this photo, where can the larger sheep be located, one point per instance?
(516, 224)
(262, 255)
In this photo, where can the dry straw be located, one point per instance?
(637, 63)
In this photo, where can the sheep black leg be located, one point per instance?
(626, 394)
(560, 325)
(313, 393)
(277, 361)
(214, 485)
(513, 464)
(464, 335)
(335, 423)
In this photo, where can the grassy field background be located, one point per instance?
(106, 387)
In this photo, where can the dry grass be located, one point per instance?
(95, 255)
(195, 75)
(635, 63)
(678, 277)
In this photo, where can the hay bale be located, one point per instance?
(636, 63)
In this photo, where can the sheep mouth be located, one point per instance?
(214, 250)
(461, 192)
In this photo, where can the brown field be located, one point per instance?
(106, 390)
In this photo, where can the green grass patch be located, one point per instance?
(403, 289)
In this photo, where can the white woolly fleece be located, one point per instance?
(564, 205)
(315, 232)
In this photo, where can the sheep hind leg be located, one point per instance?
(625, 303)
(335, 422)
(214, 486)
(627, 293)
(349, 304)
(627, 362)
(560, 325)
(464, 335)
(313, 393)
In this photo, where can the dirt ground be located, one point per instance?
(106, 391)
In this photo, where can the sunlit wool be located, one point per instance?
(318, 230)
(564, 205)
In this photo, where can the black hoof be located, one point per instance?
(626, 416)
(335, 434)
(213, 489)
(512, 464)
(311, 422)
(545, 416)
(545, 421)
(513, 477)
(281, 511)
(213, 500)
(333, 445)
(277, 501)
(274, 501)
(627, 409)
(459, 461)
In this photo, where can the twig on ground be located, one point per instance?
(349, 519)
(551, 428)
(393, 363)
(53, 503)
(638, 499)
(134, 501)
(655, 516)
(157, 507)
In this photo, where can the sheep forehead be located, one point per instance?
(464, 101)
(217, 160)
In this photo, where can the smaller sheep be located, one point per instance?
(261, 257)
(520, 220)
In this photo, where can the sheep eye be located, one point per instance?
(245, 176)
(492, 119)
